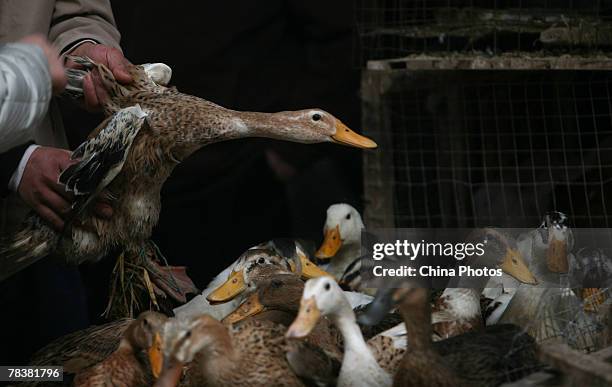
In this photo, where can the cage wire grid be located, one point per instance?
(561, 316)
(393, 28)
(472, 149)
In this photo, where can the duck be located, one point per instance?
(230, 287)
(495, 355)
(591, 270)
(278, 298)
(363, 364)
(116, 353)
(148, 131)
(84, 348)
(254, 353)
(458, 309)
(341, 245)
(551, 309)
(290, 251)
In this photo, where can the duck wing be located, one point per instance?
(315, 366)
(495, 355)
(102, 157)
(82, 349)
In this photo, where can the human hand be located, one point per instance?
(40, 189)
(93, 88)
(56, 68)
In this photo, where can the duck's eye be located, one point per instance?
(316, 117)
(327, 286)
(261, 260)
(348, 217)
(187, 334)
(145, 322)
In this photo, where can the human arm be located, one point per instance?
(30, 71)
(87, 28)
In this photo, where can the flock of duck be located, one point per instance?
(273, 317)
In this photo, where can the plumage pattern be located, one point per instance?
(102, 157)
(455, 312)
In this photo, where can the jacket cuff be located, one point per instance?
(71, 47)
(9, 162)
(15, 180)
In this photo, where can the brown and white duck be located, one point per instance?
(117, 353)
(458, 309)
(230, 287)
(490, 357)
(150, 129)
(254, 353)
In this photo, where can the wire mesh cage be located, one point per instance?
(393, 28)
(579, 318)
(481, 148)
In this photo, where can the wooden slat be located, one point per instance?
(603, 354)
(378, 168)
(580, 369)
(498, 62)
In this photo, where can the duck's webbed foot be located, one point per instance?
(171, 281)
(143, 281)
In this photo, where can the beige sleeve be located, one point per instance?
(76, 20)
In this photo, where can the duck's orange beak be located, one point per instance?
(309, 269)
(331, 243)
(306, 320)
(514, 265)
(229, 290)
(155, 356)
(250, 307)
(346, 136)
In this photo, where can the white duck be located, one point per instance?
(342, 242)
(361, 364)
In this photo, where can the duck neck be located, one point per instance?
(256, 124)
(218, 361)
(281, 126)
(345, 256)
(344, 319)
(417, 319)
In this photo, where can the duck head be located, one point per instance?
(248, 269)
(343, 227)
(503, 250)
(278, 292)
(183, 339)
(304, 126)
(322, 297)
(144, 333)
